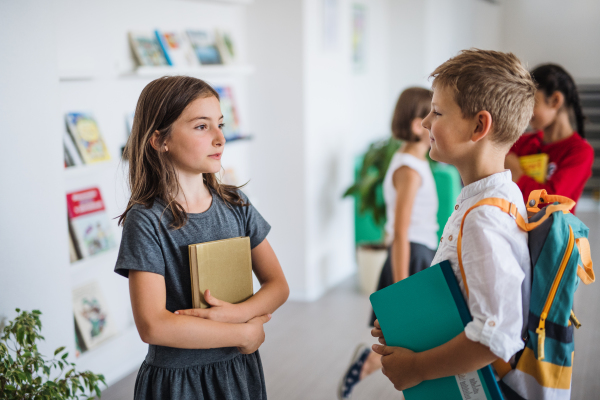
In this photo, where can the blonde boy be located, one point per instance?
(481, 104)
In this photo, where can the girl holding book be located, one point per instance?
(569, 156)
(176, 200)
(411, 206)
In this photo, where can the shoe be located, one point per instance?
(352, 375)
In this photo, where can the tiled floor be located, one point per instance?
(309, 344)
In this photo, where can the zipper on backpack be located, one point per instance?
(541, 329)
(574, 320)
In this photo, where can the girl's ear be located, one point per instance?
(416, 126)
(557, 100)
(483, 127)
(154, 142)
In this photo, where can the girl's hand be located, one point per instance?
(255, 334)
(219, 311)
(399, 365)
(377, 332)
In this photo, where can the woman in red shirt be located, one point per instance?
(570, 156)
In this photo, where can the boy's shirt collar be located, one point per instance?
(479, 186)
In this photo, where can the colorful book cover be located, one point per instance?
(91, 315)
(226, 47)
(177, 49)
(424, 311)
(87, 138)
(535, 166)
(231, 128)
(205, 47)
(89, 221)
(147, 49)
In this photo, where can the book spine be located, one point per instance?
(71, 149)
(164, 46)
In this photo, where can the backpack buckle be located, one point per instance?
(510, 210)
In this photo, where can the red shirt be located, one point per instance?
(569, 164)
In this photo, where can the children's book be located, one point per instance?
(177, 49)
(91, 315)
(89, 221)
(424, 311)
(535, 166)
(87, 138)
(71, 152)
(226, 47)
(147, 49)
(222, 266)
(205, 47)
(231, 128)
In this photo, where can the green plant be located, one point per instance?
(367, 189)
(25, 373)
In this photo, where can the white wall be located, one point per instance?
(567, 33)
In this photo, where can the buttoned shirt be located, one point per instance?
(496, 263)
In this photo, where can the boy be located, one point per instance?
(481, 104)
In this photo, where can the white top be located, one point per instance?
(496, 263)
(423, 218)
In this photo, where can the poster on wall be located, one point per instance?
(359, 44)
(330, 24)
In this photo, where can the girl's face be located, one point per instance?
(196, 142)
(544, 110)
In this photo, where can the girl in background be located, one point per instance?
(411, 206)
(174, 151)
(570, 156)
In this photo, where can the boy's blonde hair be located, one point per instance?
(485, 80)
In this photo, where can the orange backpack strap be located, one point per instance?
(585, 272)
(541, 196)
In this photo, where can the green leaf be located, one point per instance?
(59, 350)
(65, 356)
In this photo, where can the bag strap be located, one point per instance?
(585, 272)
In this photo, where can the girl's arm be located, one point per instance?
(406, 182)
(156, 325)
(273, 292)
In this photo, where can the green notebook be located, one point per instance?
(424, 311)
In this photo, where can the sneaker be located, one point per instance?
(352, 375)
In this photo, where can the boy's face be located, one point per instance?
(449, 132)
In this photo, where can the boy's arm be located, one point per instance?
(406, 369)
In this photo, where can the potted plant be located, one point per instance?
(26, 374)
(370, 213)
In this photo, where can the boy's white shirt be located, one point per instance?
(496, 262)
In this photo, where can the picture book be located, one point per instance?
(224, 267)
(226, 47)
(72, 155)
(425, 311)
(231, 127)
(535, 166)
(87, 137)
(205, 47)
(89, 221)
(147, 49)
(177, 49)
(91, 315)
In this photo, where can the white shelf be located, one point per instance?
(78, 171)
(202, 71)
(76, 75)
(227, 1)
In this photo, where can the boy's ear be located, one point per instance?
(483, 125)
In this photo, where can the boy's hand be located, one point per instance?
(219, 311)
(376, 332)
(399, 365)
(255, 334)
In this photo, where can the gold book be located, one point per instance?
(535, 166)
(224, 267)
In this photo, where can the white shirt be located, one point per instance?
(496, 262)
(423, 218)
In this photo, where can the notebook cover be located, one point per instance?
(424, 311)
(225, 268)
(535, 166)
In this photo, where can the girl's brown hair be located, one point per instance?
(414, 102)
(152, 174)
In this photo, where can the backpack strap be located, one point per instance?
(585, 272)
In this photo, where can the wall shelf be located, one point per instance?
(88, 169)
(202, 71)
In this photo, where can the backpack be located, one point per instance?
(560, 258)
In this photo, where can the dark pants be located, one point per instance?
(420, 258)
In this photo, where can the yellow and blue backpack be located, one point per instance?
(560, 259)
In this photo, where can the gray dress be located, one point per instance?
(148, 244)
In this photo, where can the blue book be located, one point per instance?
(424, 311)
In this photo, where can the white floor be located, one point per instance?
(309, 344)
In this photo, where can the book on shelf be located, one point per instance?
(222, 266)
(74, 253)
(72, 156)
(93, 320)
(226, 47)
(535, 166)
(89, 222)
(205, 46)
(177, 49)
(147, 49)
(87, 138)
(231, 128)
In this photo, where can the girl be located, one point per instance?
(174, 151)
(570, 156)
(411, 207)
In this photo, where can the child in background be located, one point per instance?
(411, 207)
(570, 156)
(176, 200)
(482, 102)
